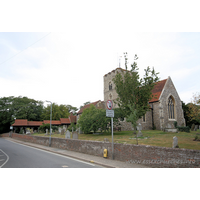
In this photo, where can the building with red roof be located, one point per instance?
(165, 105)
(24, 123)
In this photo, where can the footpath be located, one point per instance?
(108, 163)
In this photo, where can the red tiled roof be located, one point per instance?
(65, 120)
(20, 122)
(87, 106)
(157, 90)
(53, 122)
(34, 123)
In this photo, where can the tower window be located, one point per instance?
(110, 86)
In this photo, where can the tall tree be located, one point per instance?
(58, 111)
(134, 92)
(19, 108)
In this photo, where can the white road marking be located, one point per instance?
(4, 159)
(1, 155)
(54, 153)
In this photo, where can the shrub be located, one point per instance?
(70, 127)
(175, 124)
(47, 126)
(183, 129)
(21, 131)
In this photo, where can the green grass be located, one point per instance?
(150, 137)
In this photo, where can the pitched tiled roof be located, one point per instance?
(87, 106)
(53, 122)
(62, 121)
(34, 123)
(157, 90)
(65, 121)
(20, 122)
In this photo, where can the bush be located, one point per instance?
(21, 131)
(183, 129)
(70, 127)
(47, 126)
(175, 124)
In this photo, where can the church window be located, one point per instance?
(110, 86)
(171, 108)
(144, 118)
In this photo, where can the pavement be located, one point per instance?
(108, 163)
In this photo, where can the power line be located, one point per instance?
(24, 49)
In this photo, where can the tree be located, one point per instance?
(19, 108)
(25, 108)
(58, 111)
(93, 119)
(134, 92)
(72, 109)
(194, 109)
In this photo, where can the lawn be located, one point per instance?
(150, 137)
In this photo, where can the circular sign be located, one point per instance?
(109, 104)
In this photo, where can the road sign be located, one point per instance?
(110, 113)
(109, 105)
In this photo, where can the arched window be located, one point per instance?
(171, 108)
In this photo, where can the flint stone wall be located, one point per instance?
(140, 154)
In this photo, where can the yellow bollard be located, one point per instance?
(105, 153)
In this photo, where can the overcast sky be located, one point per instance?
(62, 55)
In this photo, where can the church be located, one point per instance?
(165, 109)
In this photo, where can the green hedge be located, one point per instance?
(183, 128)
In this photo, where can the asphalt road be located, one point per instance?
(14, 155)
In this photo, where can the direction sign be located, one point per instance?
(109, 104)
(110, 113)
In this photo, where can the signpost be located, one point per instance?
(110, 113)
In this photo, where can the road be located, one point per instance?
(15, 155)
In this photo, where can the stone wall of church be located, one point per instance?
(157, 115)
(169, 90)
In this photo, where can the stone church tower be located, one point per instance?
(165, 108)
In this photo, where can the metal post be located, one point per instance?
(50, 123)
(112, 138)
(50, 126)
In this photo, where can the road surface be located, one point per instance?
(15, 155)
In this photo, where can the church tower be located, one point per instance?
(109, 86)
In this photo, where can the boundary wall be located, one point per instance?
(141, 154)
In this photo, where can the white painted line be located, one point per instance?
(54, 153)
(1, 155)
(2, 160)
(6, 160)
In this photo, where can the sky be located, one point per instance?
(62, 55)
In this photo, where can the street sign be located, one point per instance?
(109, 105)
(110, 113)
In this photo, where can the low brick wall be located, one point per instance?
(147, 155)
